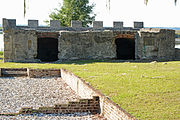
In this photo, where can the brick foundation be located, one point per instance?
(83, 105)
(99, 104)
(13, 72)
(108, 109)
(32, 73)
(37, 73)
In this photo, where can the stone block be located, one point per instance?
(76, 24)
(9, 23)
(33, 23)
(12, 23)
(117, 24)
(177, 53)
(97, 24)
(55, 23)
(138, 25)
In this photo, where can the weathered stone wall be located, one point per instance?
(156, 44)
(109, 110)
(76, 42)
(20, 45)
(86, 45)
(177, 54)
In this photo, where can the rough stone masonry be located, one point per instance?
(34, 43)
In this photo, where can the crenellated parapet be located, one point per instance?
(118, 24)
(97, 24)
(9, 23)
(138, 24)
(78, 42)
(33, 23)
(56, 24)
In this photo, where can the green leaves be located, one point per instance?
(74, 10)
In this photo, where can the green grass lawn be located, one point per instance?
(149, 91)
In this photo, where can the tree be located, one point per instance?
(74, 10)
(145, 1)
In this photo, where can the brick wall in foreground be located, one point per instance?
(100, 104)
(83, 105)
(108, 109)
(32, 73)
(36, 73)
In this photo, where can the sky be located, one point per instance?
(158, 13)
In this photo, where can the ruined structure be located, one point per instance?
(34, 43)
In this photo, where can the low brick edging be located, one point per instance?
(27, 72)
(108, 109)
(81, 106)
(13, 72)
(37, 73)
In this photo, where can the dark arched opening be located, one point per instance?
(47, 49)
(125, 48)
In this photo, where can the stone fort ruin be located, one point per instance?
(34, 43)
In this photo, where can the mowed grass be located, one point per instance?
(149, 91)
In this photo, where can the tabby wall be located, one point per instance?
(76, 42)
(177, 54)
(86, 45)
(20, 45)
(155, 44)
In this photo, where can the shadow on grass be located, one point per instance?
(90, 61)
(82, 62)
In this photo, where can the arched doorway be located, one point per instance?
(47, 49)
(125, 48)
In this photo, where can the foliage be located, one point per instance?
(145, 1)
(74, 10)
(149, 91)
(1, 54)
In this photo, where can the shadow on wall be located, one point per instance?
(125, 48)
(47, 49)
